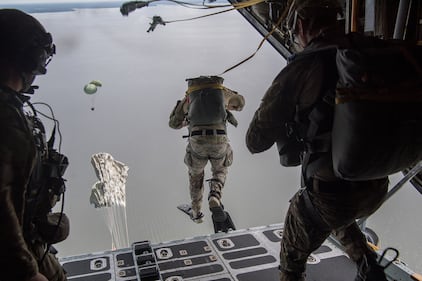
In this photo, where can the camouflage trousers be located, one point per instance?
(50, 266)
(338, 204)
(203, 149)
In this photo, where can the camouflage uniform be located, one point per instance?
(202, 148)
(337, 203)
(18, 259)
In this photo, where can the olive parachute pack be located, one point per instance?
(210, 102)
(206, 101)
(377, 121)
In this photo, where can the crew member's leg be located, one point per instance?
(301, 236)
(370, 196)
(337, 204)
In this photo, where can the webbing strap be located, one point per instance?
(236, 6)
(198, 87)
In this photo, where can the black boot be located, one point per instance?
(370, 270)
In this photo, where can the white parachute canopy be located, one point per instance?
(109, 195)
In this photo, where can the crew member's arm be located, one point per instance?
(276, 108)
(177, 118)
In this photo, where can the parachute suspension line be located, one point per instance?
(109, 194)
(123, 233)
(116, 221)
(259, 45)
(93, 102)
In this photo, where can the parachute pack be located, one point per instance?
(210, 102)
(377, 118)
(206, 101)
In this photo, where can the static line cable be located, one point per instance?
(194, 18)
(235, 6)
(131, 6)
(259, 46)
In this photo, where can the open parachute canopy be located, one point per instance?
(92, 87)
(109, 196)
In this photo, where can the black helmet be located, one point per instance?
(25, 44)
(307, 8)
(325, 10)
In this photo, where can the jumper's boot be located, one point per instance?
(214, 200)
(197, 216)
(369, 269)
(216, 208)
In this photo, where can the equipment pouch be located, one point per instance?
(53, 228)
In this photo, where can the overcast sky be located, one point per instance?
(143, 74)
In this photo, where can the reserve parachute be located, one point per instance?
(108, 195)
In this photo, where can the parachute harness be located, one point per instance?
(198, 87)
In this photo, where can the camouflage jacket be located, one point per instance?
(17, 155)
(291, 97)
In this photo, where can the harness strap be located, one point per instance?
(198, 87)
(317, 141)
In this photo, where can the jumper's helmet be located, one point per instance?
(25, 44)
(307, 9)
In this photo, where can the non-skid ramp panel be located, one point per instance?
(242, 255)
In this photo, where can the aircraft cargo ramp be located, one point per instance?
(241, 255)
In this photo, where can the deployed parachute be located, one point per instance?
(109, 196)
(91, 88)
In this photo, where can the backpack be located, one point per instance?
(377, 121)
(206, 101)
